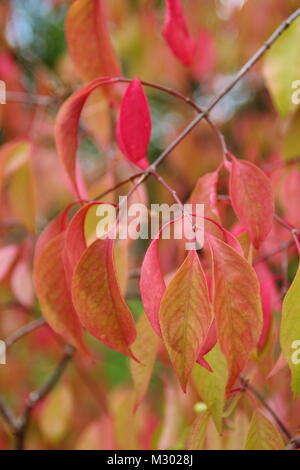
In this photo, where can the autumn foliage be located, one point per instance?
(143, 344)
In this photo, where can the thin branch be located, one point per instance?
(8, 415)
(38, 395)
(242, 72)
(283, 246)
(247, 386)
(24, 330)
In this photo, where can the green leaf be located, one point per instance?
(291, 142)
(290, 331)
(197, 433)
(262, 434)
(282, 68)
(211, 386)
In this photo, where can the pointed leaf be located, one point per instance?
(176, 33)
(290, 331)
(54, 295)
(98, 300)
(196, 437)
(185, 316)
(262, 434)
(145, 348)
(88, 40)
(252, 200)
(237, 306)
(282, 67)
(211, 386)
(134, 125)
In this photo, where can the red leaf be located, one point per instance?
(134, 125)
(237, 306)
(152, 284)
(252, 200)
(270, 298)
(185, 316)
(176, 33)
(98, 300)
(88, 40)
(66, 130)
(209, 343)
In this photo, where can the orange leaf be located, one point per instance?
(237, 306)
(145, 348)
(185, 316)
(66, 129)
(252, 200)
(88, 40)
(98, 300)
(53, 293)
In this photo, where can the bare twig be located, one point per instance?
(24, 330)
(247, 386)
(36, 396)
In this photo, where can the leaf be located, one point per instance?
(270, 298)
(252, 201)
(262, 434)
(185, 316)
(176, 33)
(211, 386)
(290, 143)
(209, 343)
(134, 125)
(88, 40)
(152, 285)
(22, 195)
(196, 437)
(237, 306)
(54, 295)
(9, 255)
(55, 418)
(282, 67)
(97, 298)
(205, 192)
(145, 348)
(290, 332)
(66, 130)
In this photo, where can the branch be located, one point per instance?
(204, 114)
(36, 396)
(24, 330)
(247, 386)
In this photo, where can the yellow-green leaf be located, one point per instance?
(145, 350)
(290, 331)
(196, 437)
(211, 386)
(262, 434)
(282, 68)
(291, 141)
(185, 316)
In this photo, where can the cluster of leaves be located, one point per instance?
(208, 315)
